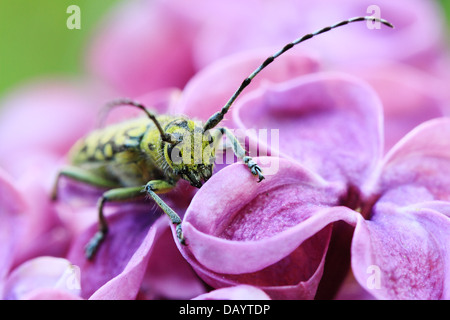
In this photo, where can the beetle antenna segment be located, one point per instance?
(218, 116)
(128, 102)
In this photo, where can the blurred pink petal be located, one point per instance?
(148, 45)
(44, 233)
(55, 113)
(51, 294)
(54, 241)
(42, 273)
(409, 96)
(143, 46)
(12, 206)
(419, 26)
(31, 156)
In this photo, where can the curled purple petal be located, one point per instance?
(330, 123)
(275, 236)
(264, 211)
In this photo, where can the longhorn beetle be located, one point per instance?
(150, 154)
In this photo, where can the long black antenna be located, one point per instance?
(128, 102)
(218, 116)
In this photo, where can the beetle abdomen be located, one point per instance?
(115, 153)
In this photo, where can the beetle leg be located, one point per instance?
(161, 186)
(121, 194)
(81, 175)
(239, 151)
(118, 194)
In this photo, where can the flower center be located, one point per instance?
(355, 200)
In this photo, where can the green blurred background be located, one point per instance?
(35, 40)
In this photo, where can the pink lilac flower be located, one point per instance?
(340, 199)
(332, 169)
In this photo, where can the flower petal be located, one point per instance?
(44, 233)
(403, 253)
(419, 164)
(275, 225)
(42, 273)
(329, 123)
(209, 90)
(11, 227)
(118, 267)
(52, 114)
(168, 275)
(51, 294)
(143, 46)
(409, 95)
(419, 26)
